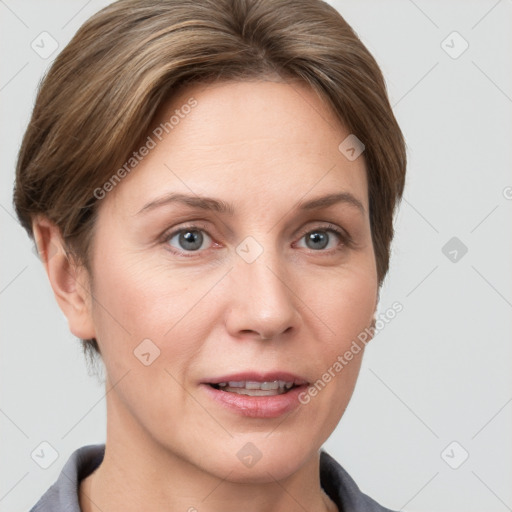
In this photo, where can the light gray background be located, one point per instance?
(438, 373)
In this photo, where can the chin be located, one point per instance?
(254, 459)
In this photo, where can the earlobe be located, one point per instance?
(69, 281)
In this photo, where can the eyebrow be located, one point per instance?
(331, 199)
(219, 206)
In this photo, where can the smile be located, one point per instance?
(254, 388)
(256, 394)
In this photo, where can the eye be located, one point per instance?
(194, 239)
(322, 239)
(190, 239)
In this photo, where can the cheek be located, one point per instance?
(346, 302)
(133, 294)
(139, 299)
(125, 307)
(345, 306)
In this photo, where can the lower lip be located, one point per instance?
(257, 406)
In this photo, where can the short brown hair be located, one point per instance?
(100, 95)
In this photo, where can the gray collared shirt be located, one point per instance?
(62, 496)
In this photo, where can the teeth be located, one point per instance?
(255, 392)
(253, 388)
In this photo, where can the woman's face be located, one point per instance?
(238, 250)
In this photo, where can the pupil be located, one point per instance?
(318, 240)
(191, 240)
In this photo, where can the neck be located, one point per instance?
(139, 473)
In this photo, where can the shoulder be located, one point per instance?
(342, 489)
(63, 494)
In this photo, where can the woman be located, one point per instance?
(211, 186)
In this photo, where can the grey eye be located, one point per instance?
(317, 239)
(188, 239)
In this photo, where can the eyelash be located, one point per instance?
(345, 238)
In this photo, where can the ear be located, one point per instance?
(69, 281)
(370, 330)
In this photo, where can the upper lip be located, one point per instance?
(253, 376)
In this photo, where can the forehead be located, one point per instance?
(245, 141)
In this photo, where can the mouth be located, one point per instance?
(255, 394)
(258, 384)
(255, 388)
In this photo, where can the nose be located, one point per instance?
(262, 303)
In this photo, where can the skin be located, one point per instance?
(261, 146)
